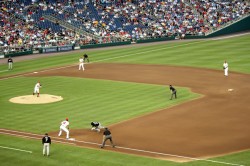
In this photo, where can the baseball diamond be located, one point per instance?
(183, 124)
(125, 82)
(212, 122)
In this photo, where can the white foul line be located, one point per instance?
(202, 40)
(120, 147)
(21, 150)
(24, 136)
(63, 67)
(117, 57)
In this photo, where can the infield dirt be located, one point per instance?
(213, 125)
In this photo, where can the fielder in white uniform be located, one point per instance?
(225, 67)
(64, 127)
(81, 63)
(36, 88)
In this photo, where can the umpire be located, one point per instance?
(106, 136)
(173, 90)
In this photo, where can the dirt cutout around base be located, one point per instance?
(33, 99)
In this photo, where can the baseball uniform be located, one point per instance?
(46, 141)
(36, 88)
(10, 63)
(86, 58)
(81, 63)
(96, 126)
(64, 127)
(106, 136)
(225, 67)
(173, 90)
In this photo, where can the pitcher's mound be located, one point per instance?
(33, 99)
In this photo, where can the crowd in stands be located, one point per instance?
(219, 12)
(24, 27)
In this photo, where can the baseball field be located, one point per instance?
(126, 88)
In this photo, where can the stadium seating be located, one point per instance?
(123, 19)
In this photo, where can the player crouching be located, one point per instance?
(96, 126)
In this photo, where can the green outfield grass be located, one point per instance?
(67, 155)
(85, 100)
(201, 53)
(106, 101)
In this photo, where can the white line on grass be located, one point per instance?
(63, 67)
(21, 150)
(132, 149)
(3, 71)
(24, 136)
(117, 57)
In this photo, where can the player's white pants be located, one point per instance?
(81, 66)
(63, 128)
(226, 71)
(10, 66)
(36, 90)
(46, 148)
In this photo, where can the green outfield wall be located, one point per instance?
(19, 54)
(105, 45)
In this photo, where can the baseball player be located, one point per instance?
(107, 135)
(64, 127)
(86, 58)
(10, 63)
(36, 88)
(46, 141)
(81, 63)
(96, 126)
(225, 67)
(173, 91)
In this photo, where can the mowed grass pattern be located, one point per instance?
(106, 101)
(67, 155)
(85, 100)
(201, 54)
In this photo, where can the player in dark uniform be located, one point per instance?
(106, 136)
(173, 90)
(10, 63)
(86, 58)
(96, 126)
(46, 141)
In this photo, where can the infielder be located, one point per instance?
(81, 63)
(46, 141)
(225, 67)
(64, 127)
(96, 126)
(36, 88)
